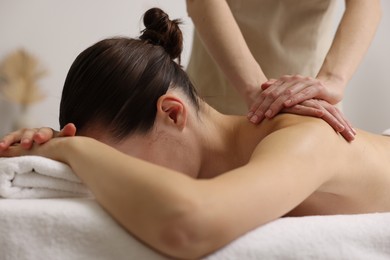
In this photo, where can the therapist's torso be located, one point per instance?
(284, 36)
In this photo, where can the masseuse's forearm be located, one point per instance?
(353, 37)
(146, 199)
(225, 43)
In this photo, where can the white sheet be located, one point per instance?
(80, 229)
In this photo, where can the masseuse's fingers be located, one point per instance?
(285, 92)
(264, 99)
(313, 88)
(268, 83)
(332, 114)
(274, 104)
(326, 111)
(336, 114)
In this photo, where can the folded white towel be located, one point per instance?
(386, 132)
(28, 177)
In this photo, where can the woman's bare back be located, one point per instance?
(360, 170)
(361, 183)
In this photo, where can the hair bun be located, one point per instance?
(160, 30)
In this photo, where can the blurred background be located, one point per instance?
(47, 35)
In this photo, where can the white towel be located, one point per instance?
(344, 237)
(386, 132)
(79, 229)
(65, 229)
(28, 177)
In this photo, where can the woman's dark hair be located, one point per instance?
(116, 82)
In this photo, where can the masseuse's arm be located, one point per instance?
(225, 43)
(188, 218)
(353, 37)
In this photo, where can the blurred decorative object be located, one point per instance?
(19, 75)
(9, 113)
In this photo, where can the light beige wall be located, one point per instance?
(56, 31)
(367, 99)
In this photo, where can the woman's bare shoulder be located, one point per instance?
(286, 120)
(296, 126)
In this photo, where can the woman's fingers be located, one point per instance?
(5, 142)
(27, 137)
(68, 130)
(17, 137)
(11, 151)
(26, 141)
(43, 135)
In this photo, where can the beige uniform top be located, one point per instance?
(284, 36)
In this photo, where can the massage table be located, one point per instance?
(78, 228)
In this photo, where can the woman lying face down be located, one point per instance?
(184, 178)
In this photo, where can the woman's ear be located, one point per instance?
(172, 110)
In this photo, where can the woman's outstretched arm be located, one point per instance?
(26, 137)
(153, 203)
(188, 218)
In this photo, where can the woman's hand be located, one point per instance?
(326, 111)
(55, 149)
(27, 137)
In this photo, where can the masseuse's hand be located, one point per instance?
(288, 91)
(27, 137)
(326, 111)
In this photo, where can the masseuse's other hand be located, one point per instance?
(27, 137)
(326, 111)
(288, 91)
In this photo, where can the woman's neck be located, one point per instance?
(227, 142)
